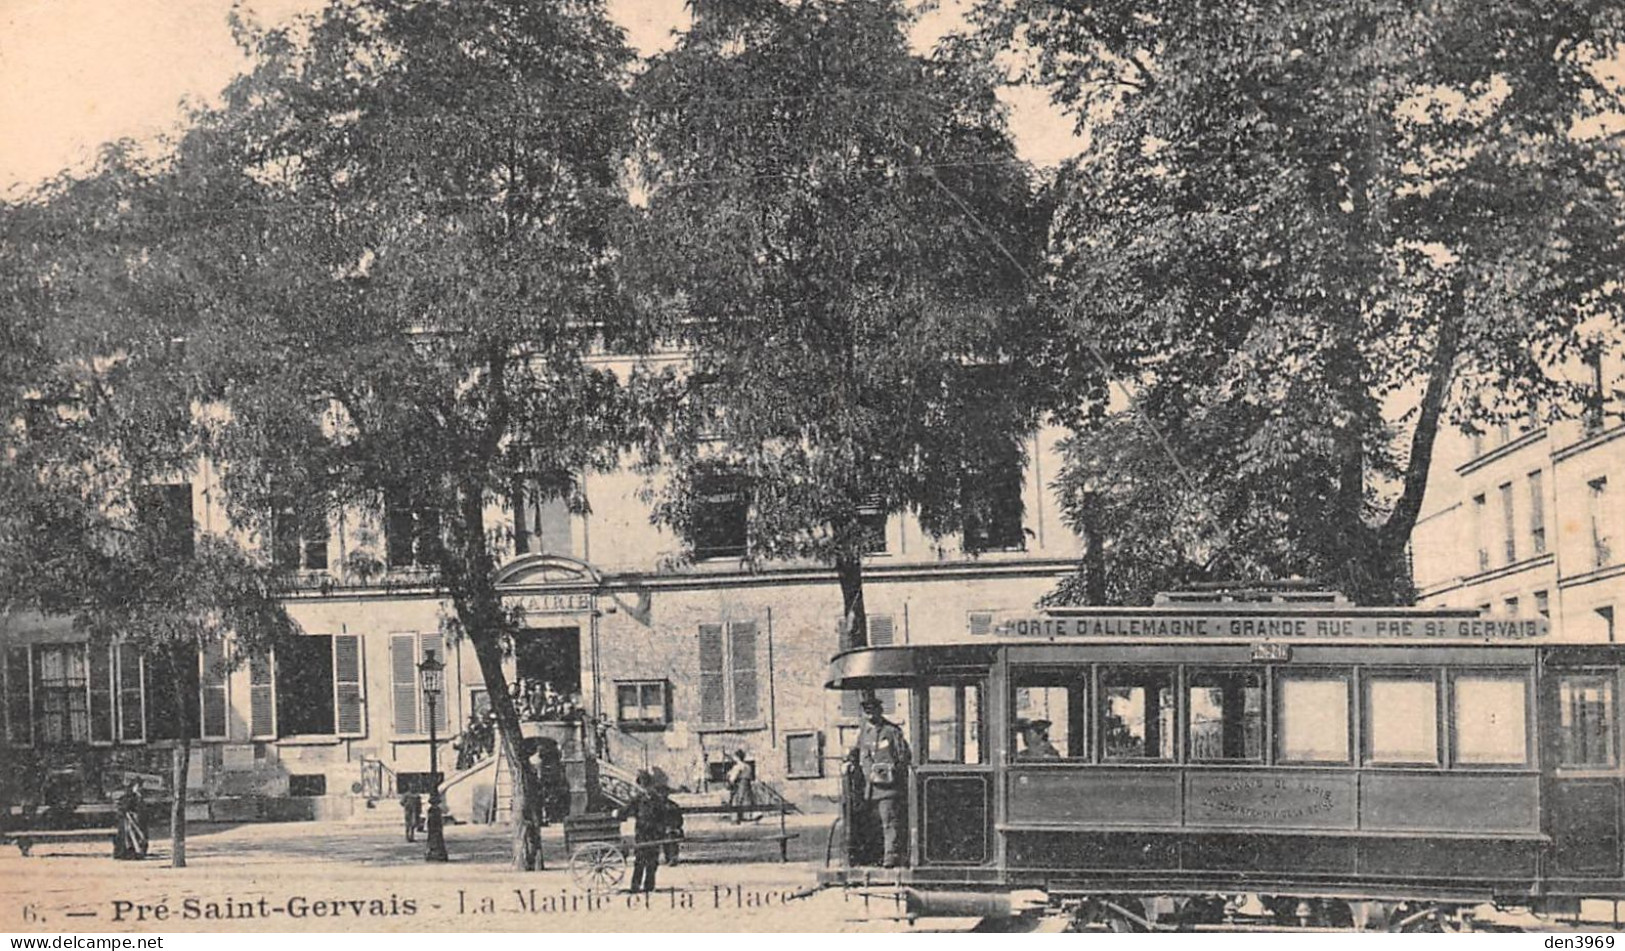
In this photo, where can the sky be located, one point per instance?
(75, 74)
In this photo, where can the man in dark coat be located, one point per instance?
(648, 811)
(882, 760)
(412, 813)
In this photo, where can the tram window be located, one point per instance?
(1491, 723)
(1312, 718)
(955, 733)
(1137, 714)
(1050, 718)
(1587, 719)
(1226, 715)
(1402, 718)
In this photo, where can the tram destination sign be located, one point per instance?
(1308, 627)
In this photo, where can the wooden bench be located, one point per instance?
(782, 837)
(25, 840)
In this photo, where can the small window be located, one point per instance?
(872, 522)
(1137, 714)
(1226, 715)
(1312, 718)
(310, 784)
(1402, 720)
(955, 730)
(1051, 714)
(720, 511)
(804, 755)
(641, 704)
(1491, 725)
(1480, 530)
(1586, 719)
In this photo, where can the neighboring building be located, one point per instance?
(1526, 518)
(689, 661)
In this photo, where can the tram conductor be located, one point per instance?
(882, 760)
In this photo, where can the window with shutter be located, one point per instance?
(742, 660)
(261, 698)
(132, 692)
(101, 694)
(404, 682)
(212, 691)
(19, 698)
(713, 676)
(435, 643)
(349, 698)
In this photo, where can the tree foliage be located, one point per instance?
(391, 260)
(839, 233)
(99, 403)
(1310, 235)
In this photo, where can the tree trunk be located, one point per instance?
(527, 835)
(468, 575)
(180, 765)
(1094, 552)
(854, 620)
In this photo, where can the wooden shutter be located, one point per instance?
(101, 694)
(713, 676)
(132, 712)
(436, 643)
(212, 691)
(19, 698)
(883, 633)
(742, 660)
(349, 697)
(403, 677)
(261, 698)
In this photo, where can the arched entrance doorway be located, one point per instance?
(555, 598)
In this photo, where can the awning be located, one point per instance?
(902, 666)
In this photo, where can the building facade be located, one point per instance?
(687, 659)
(1525, 518)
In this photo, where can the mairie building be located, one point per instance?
(663, 653)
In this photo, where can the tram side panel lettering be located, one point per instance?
(1330, 628)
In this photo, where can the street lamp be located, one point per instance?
(433, 674)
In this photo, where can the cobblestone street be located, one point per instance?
(329, 876)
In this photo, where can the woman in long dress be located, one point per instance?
(132, 822)
(741, 787)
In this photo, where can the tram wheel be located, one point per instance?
(597, 866)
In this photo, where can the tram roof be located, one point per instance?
(1195, 629)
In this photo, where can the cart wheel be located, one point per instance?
(597, 866)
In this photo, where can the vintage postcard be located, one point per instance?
(810, 466)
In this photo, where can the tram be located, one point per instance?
(1224, 756)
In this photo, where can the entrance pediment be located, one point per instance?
(546, 571)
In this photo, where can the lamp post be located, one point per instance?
(433, 673)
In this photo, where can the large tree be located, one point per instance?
(840, 233)
(1308, 236)
(98, 415)
(394, 272)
